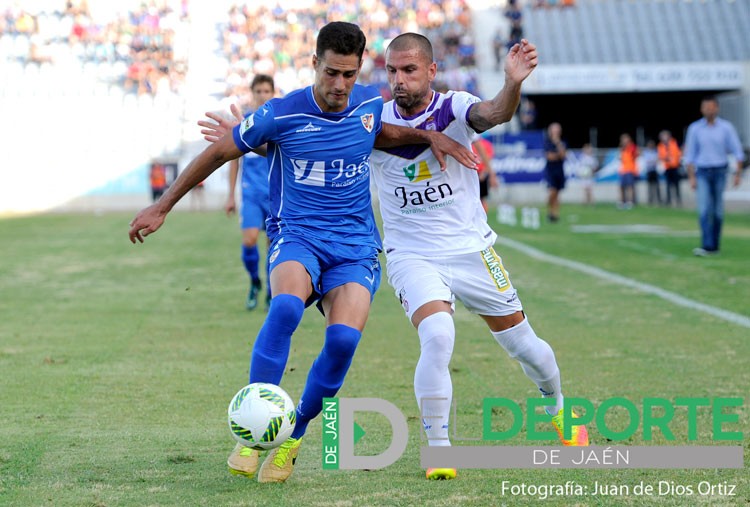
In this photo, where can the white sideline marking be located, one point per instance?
(732, 317)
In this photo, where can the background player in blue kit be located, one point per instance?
(324, 240)
(255, 203)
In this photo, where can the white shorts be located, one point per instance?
(479, 280)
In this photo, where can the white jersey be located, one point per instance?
(426, 212)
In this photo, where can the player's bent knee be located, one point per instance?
(437, 335)
(341, 340)
(287, 308)
(518, 339)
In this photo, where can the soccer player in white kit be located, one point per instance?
(438, 244)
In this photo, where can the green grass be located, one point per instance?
(117, 361)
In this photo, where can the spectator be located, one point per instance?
(487, 177)
(628, 171)
(527, 114)
(515, 18)
(588, 165)
(158, 180)
(498, 47)
(650, 158)
(670, 156)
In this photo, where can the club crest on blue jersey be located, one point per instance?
(368, 121)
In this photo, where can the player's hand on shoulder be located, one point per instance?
(442, 145)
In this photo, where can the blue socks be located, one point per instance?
(271, 348)
(327, 373)
(251, 258)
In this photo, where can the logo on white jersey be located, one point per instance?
(309, 128)
(247, 124)
(417, 173)
(368, 121)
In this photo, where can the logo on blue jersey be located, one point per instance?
(308, 128)
(247, 124)
(310, 172)
(313, 172)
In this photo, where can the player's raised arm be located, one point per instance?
(519, 63)
(150, 219)
(440, 144)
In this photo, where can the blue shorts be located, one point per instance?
(627, 180)
(254, 211)
(555, 178)
(329, 264)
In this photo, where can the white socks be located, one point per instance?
(432, 379)
(537, 360)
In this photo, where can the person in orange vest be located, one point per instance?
(628, 171)
(158, 179)
(487, 176)
(670, 156)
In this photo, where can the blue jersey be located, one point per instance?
(319, 163)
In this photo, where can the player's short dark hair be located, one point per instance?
(710, 98)
(260, 79)
(411, 40)
(342, 38)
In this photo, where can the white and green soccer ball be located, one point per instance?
(261, 416)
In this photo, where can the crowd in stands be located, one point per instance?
(553, 3)
(138, 45)
(263, 38)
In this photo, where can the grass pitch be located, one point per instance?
(117, 362)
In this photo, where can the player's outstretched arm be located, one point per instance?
(440, 144)
(520, 61)
(212, 132)
(221, 125)
(150, 219)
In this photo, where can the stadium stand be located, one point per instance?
(638, 31)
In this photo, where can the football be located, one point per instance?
(261, 416)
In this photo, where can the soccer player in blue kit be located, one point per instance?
(255, 203)
(324, 241)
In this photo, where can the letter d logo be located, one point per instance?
(346, 409)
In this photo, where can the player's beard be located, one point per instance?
(411, 102)
(408, 102)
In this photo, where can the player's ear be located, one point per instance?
(432, 71)
(315, 61)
